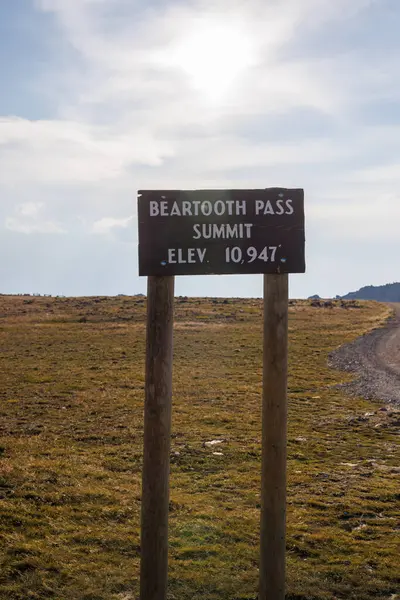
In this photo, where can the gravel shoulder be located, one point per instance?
(375, 357)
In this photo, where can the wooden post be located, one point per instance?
(274, 424)
(157, 439)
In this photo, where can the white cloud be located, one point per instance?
(366, 217)
(19, 226)
(29, 219)
(387, 175)
(107, 224)
(68, 151)
(29, 209)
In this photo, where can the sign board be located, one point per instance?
(206, 232)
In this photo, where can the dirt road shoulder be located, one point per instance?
(375, 357)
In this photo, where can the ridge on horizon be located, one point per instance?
(388, 292)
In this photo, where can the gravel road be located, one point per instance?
(375, 357)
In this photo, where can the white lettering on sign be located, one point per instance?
(267, 208)
(154, 210)
(186, 208)
(240, 207)
(219, 208)
(187, 256)
(175, 210)
(249, 255)
(289, 206)
(206, 208)
(214, 231)
(197, 208)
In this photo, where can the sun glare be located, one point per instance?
(214, 56)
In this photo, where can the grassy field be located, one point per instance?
(71, 402)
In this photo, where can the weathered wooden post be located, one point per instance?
(274, 424)
(157, 436)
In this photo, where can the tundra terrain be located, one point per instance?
(71, 403)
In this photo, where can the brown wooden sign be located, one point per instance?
(206, 232)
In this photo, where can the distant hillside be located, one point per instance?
(382, 293)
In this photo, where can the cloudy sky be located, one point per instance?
(100, 98)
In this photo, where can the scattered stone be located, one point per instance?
(218, 453)
(213, 443)
(357, 420)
